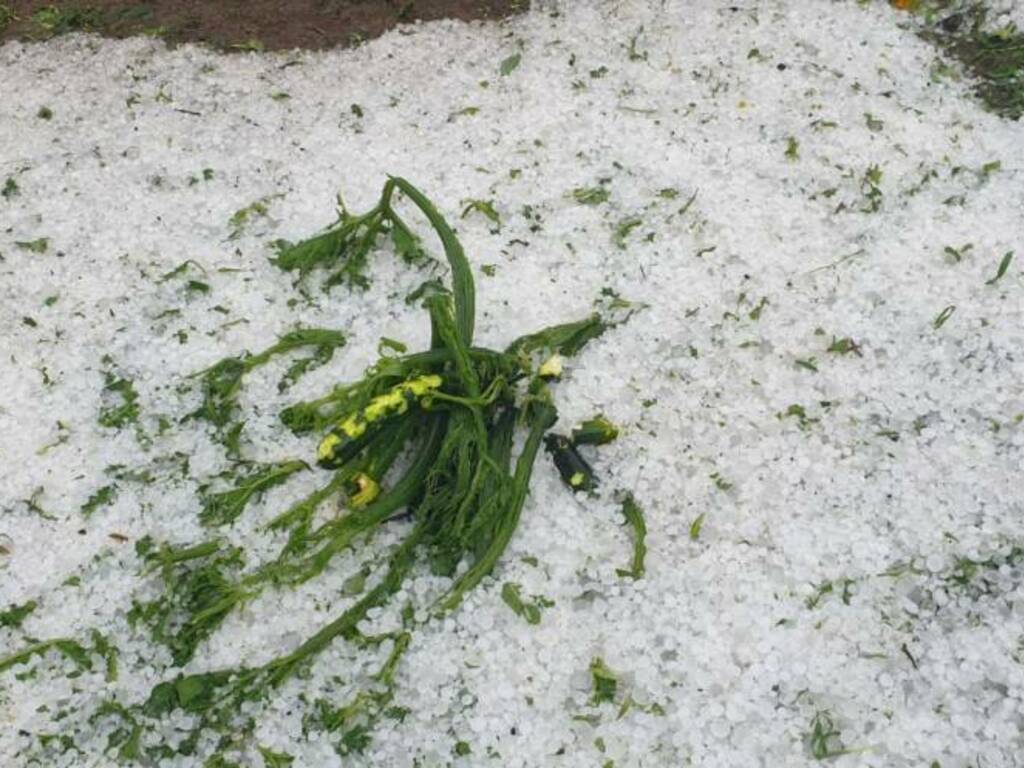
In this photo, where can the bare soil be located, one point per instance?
(240, 24)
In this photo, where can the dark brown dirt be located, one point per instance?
(240, 24)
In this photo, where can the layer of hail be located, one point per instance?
(443, 440)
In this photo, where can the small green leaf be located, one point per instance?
(13, 617)
(634, 515)
(101, 498)
(275, 759)
(943, 316)
(843, 346)
(1004, 265)
(874, 124)
(605, 682)
(486, 207)
(36, 246)
(509, 64)
(624, 228)
(590, 195)
(696, 526)
(991, 167)
(513, 599)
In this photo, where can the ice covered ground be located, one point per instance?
(821, 407)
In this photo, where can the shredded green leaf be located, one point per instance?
(635, 517)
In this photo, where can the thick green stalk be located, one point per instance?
(543, 417)
(462, 276)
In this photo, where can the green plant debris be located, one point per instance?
(591, 195)
(623, 229)
(509, 65)
(755, 313)
(697, 526)
(826, 588)
(103, 648)
(63, 434)
(974, 575)
(467, 423)
(45, 113)
(943, 316)
(243, 217)
(121, 402)
(595, 431)
(221, 382)
(484, 207)
(101, 498)
(10, 189)
(792, 149)
(798, 412)
(530, 610)
(604, 681)
(958, 254)
(808, 364)
(126, 737)
(273, 759)
(634, 515)
(33, 505)
(844, 346)
(38, 245)
(1004, 264)
(225, 507)
(824, 738)
(994, 57)
(355, 719)
(181, 269)
(989, 168)
(632, 51)
(720, 482)
(873, 123)
(69, 649)
(871, 190)
(629, 703)
(15, 615)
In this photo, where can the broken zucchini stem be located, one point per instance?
(452, 411)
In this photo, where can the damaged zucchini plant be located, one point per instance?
(443, 441)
